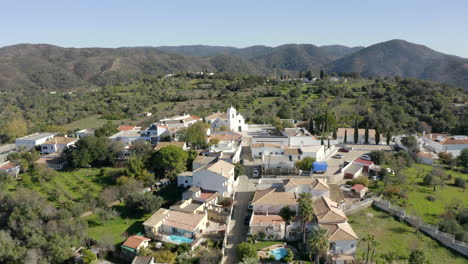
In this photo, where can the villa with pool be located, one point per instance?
(176, 227)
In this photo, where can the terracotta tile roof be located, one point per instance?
(216, 115)
(272, 197)
(339, 232)
(60, 140)
(175, 219)
(160, 145)
(327, 211)
(424, 155)
(266, 145)
(8, 165)
(157, 217)
(220, 167)
(267, 219)
(127, 128)
(204, 159)
(363, 161)
(451, 141)
(316, 184)
(358, 187)
(225, 136)
(207, 195)
(135, 241)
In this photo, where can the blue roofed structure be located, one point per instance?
(319, 166)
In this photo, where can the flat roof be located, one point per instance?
(264, 131)
(37, 136)
(7, 147)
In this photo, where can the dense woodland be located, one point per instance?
(390, 104)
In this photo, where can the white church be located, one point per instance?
(233, 120)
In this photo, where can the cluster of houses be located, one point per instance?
(273, 195)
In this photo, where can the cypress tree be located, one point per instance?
(377, 136)
(356, 132)
(345, 136)
(366, 134)
(322, 74)
(334, 134)
(311, 125)
(321, 141)
(329, 143)
(388, 137)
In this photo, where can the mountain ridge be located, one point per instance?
(46, 66)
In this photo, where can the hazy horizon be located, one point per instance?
(110, 24)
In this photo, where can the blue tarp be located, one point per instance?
(319, 166)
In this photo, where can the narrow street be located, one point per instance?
(238, 231)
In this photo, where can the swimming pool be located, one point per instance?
(179, 239)
(279, 253)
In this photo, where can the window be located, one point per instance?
(186, 181)
(352, 245)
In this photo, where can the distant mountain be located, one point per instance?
(405, 59)
(198, 50)
(52, 67)
(339, 51)
(42, 66)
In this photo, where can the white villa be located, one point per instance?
(217, 177)
(57, 144)
(228, 143)
(446, 143)
(29, 142)
(179, 121)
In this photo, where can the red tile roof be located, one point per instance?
(135, 241)
(127, 128)
(8, 166)
(358, 187)
(363, 161)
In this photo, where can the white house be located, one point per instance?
(179, 121)
(229, 143)
(29, 142)
(343, 241)
(185, 179)
(57, 144)
(218, 177)
(127, 136)
(446, 143)
(154, 133)
(11, 168)
(272, 225)
(164, 223)
(5, 150)
(277, 162)
(299, 136)
(259, 149)
(85, 133)
(217, 120)
(316, 187)
(135, 243)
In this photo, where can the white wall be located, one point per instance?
(271, 209)
(209, 180)
(345, 247)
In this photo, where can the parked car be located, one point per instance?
(343, 150)
(366, 157)
(338, 156)
(256, 174)
(247, 218)
(250, 206)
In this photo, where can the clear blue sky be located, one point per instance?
(440, 25)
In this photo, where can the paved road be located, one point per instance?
(238, 232)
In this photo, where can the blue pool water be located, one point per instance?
(279, 253)
(179, 239)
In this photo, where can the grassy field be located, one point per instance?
(75, 184)
(89, 122)
(126, 224)
(417, 201)
(398, 237)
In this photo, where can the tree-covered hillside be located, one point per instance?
(395, 105)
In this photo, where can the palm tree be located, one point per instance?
(318, 244)
(287, 214)
(306, 212)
